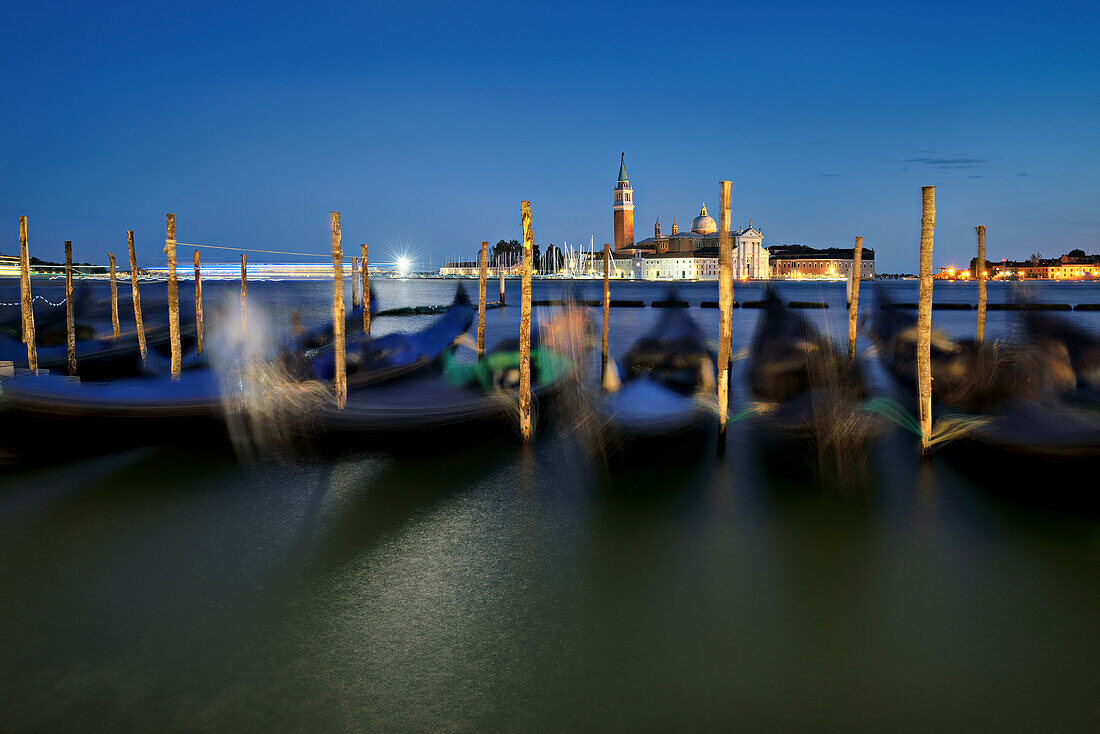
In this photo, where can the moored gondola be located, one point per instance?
(664, 388)
(99, 354)
(473, 398)
(1025, 398)
(371, 360)
(806, 393)
(35, 410)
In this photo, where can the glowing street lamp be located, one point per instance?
(403, 266)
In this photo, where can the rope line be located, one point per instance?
(747, 412)
(946, 428)
(893, 411)
(246, 249)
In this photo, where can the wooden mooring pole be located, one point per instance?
(26, 304)
(354, 283)
(525, 327)
(173, 294)
(924, 317)
(853, 298)
(725, 315)
(244, 293)
(340, 380)
(70, 326)
(483, 265)
(139, 323)
(980, 274)
(114, 296)
(366, 288)
(606, 312)
(199, 344)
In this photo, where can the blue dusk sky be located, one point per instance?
(426, 124)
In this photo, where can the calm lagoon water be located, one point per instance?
(485, 587)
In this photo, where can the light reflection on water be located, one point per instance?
(484, 587)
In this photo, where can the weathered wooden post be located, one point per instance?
(525, 327)
(980, 273)
(70, 326)
(500, 272)
(366, 288)
(725, 313)
(244, 293)
(606, 311)
(354, 283)
(199, 344)
(483, 264)
(114, 296)
(853, 298)
(173, 295)
(139, 323)
(924, 317)
(340, 381)
(26, 304)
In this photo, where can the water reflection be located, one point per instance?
(472, 585)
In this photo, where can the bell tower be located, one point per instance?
(623, 209)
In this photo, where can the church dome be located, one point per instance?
(703, 224)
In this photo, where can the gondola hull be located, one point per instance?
(1018, 417)
(808, 395)
(99, 358)
(37, 410)
(644, 409)
(425, 405)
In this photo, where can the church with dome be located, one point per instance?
(702, 224)
(695, 251)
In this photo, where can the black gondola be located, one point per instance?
(483, 393)
(1021, 398)
(667, 385)
(807, 393)
(35, 409)
(99, 354)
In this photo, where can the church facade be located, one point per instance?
(691, 255)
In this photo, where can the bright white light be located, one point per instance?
(403, 266)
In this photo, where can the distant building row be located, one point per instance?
(693, 255)
(751, 261)
(1075, 265)
(1067, 267)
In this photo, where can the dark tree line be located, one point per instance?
(511, 251)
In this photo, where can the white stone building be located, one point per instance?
(750, 259)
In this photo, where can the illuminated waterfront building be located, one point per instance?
(800, 261)
(1072, 266)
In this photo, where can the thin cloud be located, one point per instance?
(989, 167)
(948, 163)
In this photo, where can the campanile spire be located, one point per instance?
(623, 209)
